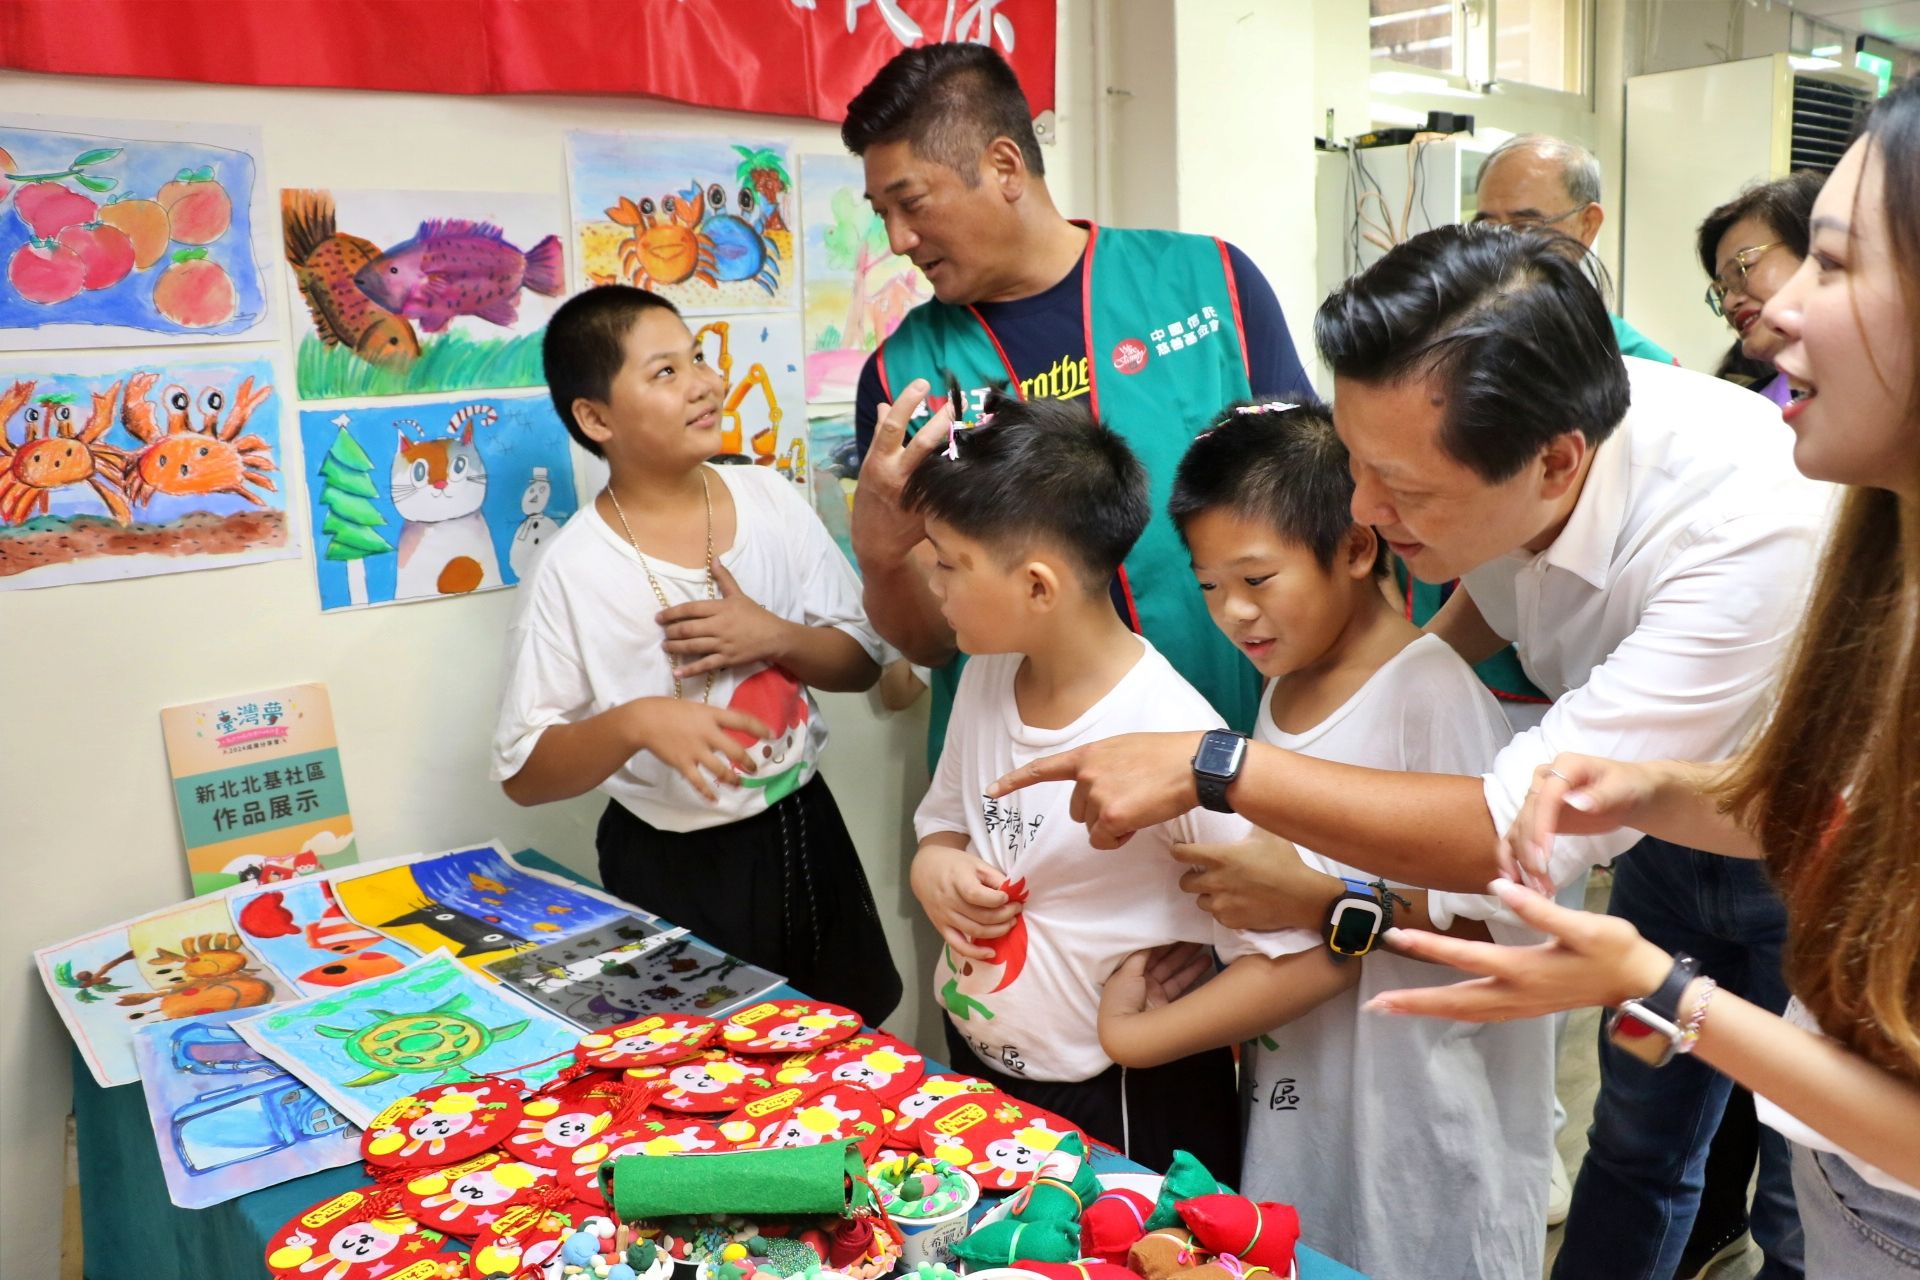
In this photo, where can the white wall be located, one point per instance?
(87, 827)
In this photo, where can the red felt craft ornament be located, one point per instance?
(656, 1038)
(886, 1065)
(655, 1134)
(463, 1199)
(805, 1115)
(935, 1091)
(442, 1125)
(361, 1234)
(1001, 1141)
(788, 1026)
(1262, 1234)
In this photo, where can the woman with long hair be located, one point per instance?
(1828, 793)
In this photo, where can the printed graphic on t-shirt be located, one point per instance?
(972, 984)
(1066, 378)
(775, 699)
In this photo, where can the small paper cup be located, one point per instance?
(932, 1239)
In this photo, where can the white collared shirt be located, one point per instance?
(1659, 619)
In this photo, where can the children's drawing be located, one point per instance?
(834, 476)
(629, 968)
(857, 289)
(120, 466)
(444, 498)
(472, 902)
(120, 233)
(178, 963)
(763, 420)
(229, 1120)
(403, 292)
(703, 222)
(256, 779)
(365, 1046)
(301, 930)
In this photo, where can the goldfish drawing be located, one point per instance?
(558, 910)
(454, 267)
(485, 885)
(324, 262)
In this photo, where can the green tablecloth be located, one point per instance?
(133, 1232)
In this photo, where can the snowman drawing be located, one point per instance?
(537, 530)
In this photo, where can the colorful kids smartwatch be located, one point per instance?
(1355, 920)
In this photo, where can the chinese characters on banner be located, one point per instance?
(257, 782)
(778, 57)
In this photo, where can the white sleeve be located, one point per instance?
(1206, 826)
(546, 685)
(944, 807)
(830, 590)
(1686, 684)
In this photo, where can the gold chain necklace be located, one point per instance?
(713, 590)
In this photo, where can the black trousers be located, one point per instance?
(1192, 1104)
(782, 889)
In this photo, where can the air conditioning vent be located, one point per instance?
(1826, 115)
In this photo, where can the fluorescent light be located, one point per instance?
(1800, 62)
(1825, 50)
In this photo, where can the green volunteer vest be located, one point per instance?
(1165, 354)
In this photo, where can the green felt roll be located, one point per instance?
(788, 1180)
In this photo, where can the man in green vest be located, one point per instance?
(1159, 330)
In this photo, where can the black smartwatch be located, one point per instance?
(1355, 920)
(1216, 764)
(1649, 1027)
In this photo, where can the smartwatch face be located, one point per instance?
(1644, 1034)
(1219, 754)
(1355, 922)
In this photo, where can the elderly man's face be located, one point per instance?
(1525, 189)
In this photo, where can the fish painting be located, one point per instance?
(325, 261)
(455, 267)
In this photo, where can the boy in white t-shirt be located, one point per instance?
(663, 652)
(1029, 516)
(1409, 1149)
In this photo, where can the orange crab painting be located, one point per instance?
(55, 454)
(664, 245)
(184, 459)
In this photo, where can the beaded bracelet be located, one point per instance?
(1697, 1017)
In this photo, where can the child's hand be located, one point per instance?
(689, 737)
(1258, 883)
(961, 895)
(708, 635)
(1149, 979)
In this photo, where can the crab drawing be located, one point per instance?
(211, 458)
(55, 454)
(663, 246)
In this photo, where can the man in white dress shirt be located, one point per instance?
(1640, 534)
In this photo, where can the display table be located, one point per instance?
(133, 1232)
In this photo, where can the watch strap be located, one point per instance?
(1665, 999)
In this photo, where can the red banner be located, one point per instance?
(780, 57)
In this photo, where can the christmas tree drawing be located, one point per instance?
(347, 492)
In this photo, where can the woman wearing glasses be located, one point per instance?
(1750, 246)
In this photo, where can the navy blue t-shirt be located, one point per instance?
(1046, 343)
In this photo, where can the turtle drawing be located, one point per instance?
(418, 1043)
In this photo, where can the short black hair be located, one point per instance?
(948, 102)
(1041, 470)
(1282, 466)
(1507, 320)
(584, 347)
(1785, 205)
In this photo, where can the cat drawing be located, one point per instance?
(438, 487)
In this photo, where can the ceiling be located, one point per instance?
(1898, 22)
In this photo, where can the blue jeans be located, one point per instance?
(1854, 1229)
(1634, 1201)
